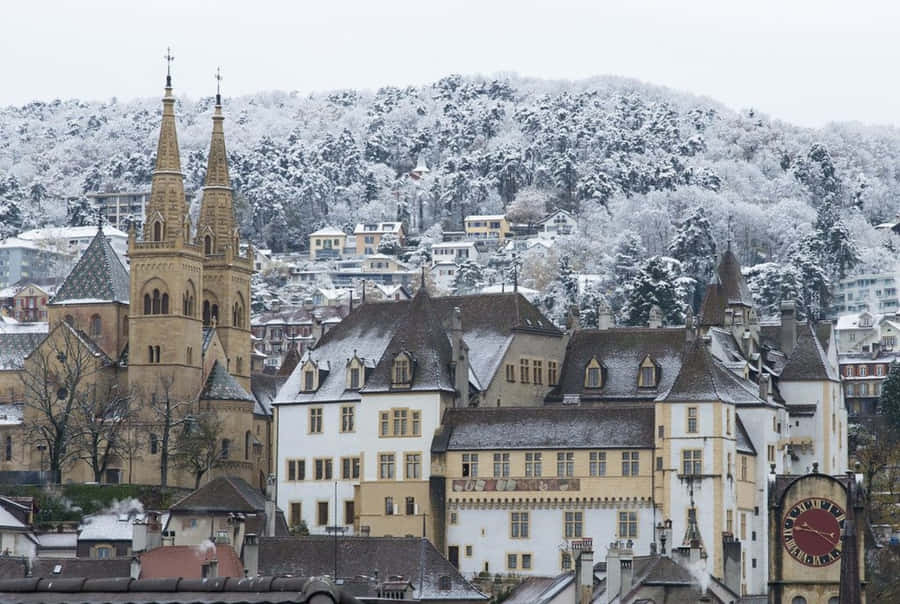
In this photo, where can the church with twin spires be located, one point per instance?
(174, 326)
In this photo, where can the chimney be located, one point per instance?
(270, 506)
(788, 326)
(613, 573)
(655, 318)
(212, 569)
(690, 329)
(135, 572)
(747, 344)
(604, 316)
(584, 574)
(764, 386)
(460, 361)
(626, 563)
(664, 530)
(250, 555)
(139, 536)
(732, 563)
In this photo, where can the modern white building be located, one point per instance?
(876, 293)
(455, 251)
(74, 240)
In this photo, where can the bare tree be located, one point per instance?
(132, 441)
(200, 446)
(102, 414)
(57, 375)
(168, 413)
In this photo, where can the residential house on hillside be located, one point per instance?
(26, 301)
(867, 348)
(488, 227)
(453, 251)
(369, 235)
(559, 222)
(327, 244)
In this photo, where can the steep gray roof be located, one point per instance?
(221, 386)
(734, 286)
(610, 427)
(413, 558)
(99, 276)
(423, 338)
(808, 362)
(702, 378)
(376, 331)
(224, 494)
(621, 351)
(743, 444)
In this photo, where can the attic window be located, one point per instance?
(593, 374)
(310, 377)
(401, 372)
(648, 375)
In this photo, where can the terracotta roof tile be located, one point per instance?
(187, 561)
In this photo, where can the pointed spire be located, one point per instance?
(167, 187)
(217, 209)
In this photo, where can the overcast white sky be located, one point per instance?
(803, 61)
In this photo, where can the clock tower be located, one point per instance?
(816, 533)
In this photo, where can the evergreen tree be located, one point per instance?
(389, 245)
(659, 282)
(840, 252)
(468, 279)
(889, 401)
(771, 283)
(695, 247)
(79, 211)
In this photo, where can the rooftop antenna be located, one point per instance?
(169, 58)
(218, 86)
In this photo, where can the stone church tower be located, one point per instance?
(165, 335)
(226, 273)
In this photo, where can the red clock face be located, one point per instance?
(811, 531)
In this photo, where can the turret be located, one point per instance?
(216, 227)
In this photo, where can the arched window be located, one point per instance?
(189, 356)
(156, 301)
(154, 444)
(207, 245)
(184, 304)
(247, 443)
(226, 448)
(96, 326)
(156, 350)
(8, 448)
(214, 313)
(401, 374)
(148, 308)
(157, 231)
(70, 320)
(234, 315)
(206, 315)
(239, 365)
(798, 600)
(165, 304)
(150, 354)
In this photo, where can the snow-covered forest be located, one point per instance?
(658, 178)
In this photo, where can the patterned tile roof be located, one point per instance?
(221, 386)
(14, 347)
(99, 276)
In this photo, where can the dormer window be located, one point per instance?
(593, 374)
(401, 372)
(648, 374)
(355, 373)
(310, 376)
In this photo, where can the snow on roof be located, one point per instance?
(329, 231)
(453, 244)
(851, 321)
(109, 526)
(7, 520)
(78, 232)
(58, 540)
(485, 217)
(11, 414)
(377, 227)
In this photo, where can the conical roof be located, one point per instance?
(734, 286)
(98, 276)
(217, 207)
(167, 186)
(221, 386)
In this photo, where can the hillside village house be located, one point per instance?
(607, 433)
(868, 347)
(327, 244)
(369, 235)
(494, 227)
(556, 223)
(453, 251)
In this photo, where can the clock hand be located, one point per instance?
(826, 536)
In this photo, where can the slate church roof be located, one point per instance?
(98, 276)
(222, 386)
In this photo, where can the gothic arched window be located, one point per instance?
(207, 245)
(206, 314)
(156, 302)
(165, 304)
(96, 326)
(148, 308)
(157, 231)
